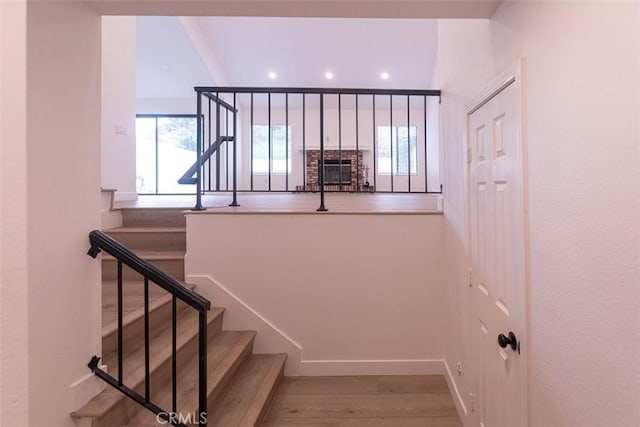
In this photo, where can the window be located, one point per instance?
(397, 150)
(280, 149)
(165, 149)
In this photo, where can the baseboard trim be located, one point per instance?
(271, 339)
(239, 315)
(85, 389)
(455, 394)
(372, 367)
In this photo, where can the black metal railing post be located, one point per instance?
(235, 154)
(120, 327)
(218, 139)
(198, 206)
(322, 207)
(202, 368)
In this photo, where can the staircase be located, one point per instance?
(240, 384)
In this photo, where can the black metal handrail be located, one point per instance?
(406, 167)
(188, 177)
(102, 242)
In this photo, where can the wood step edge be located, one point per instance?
(138, 313)
(264, 395)
(227, 366)
(105, 401)
(151, 255)
(226, 369)
(145, 229)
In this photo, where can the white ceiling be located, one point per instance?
(162, 41)
(299, 50)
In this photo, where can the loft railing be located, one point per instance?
(102, 242)
(259, 139)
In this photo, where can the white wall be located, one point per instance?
(358, 293)
(166, 105)
(582, 139)
(63, 201)
(14, 368)
(119, 105)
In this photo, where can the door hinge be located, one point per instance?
(470, 278)
(471, 408)
(468, 154)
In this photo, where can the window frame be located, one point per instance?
(288, 150)
(394, 159)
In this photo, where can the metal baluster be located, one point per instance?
(426, 182)
(156, 159)
(340, 139)
(217, 141)
(269, 134)
(286, 142)
(120, 330)
(408, 144)
(304, 138)
(208, 160)
(251, 145)
(235, 153)
(174, 364)
(147, 385)
(198, 206)
(202, 371)
(357, 149)
(375, 151)
(391, 136)
(226, 145)
(322, 208)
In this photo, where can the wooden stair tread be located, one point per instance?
(225, 352)
(246, 401)
(159, 351)
(149, 229)
(133, 302)
(151, 255)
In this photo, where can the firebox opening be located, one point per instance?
(336, 171)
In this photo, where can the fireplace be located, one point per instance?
(343, 171)
(336, 171)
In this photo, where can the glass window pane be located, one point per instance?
(394, 143)
(145, 155)
(280, 149)
(176, 152)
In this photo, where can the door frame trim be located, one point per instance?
(514, 74)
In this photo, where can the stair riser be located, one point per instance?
(156, 241)
(173, 267)
(160, 381)
(153, 217)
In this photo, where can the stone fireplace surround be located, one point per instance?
(312, 170)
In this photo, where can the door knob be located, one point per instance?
(510, 340)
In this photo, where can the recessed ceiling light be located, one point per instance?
(164, 67)
(328, 75)
(272, 75)
(384, 76)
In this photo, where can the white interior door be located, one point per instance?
(498, 260)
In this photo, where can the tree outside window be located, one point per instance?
(280, 149)
(397, 150)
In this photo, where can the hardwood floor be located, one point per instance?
(363, 401)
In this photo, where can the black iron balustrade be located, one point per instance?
(102, 242)
(215, 133)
